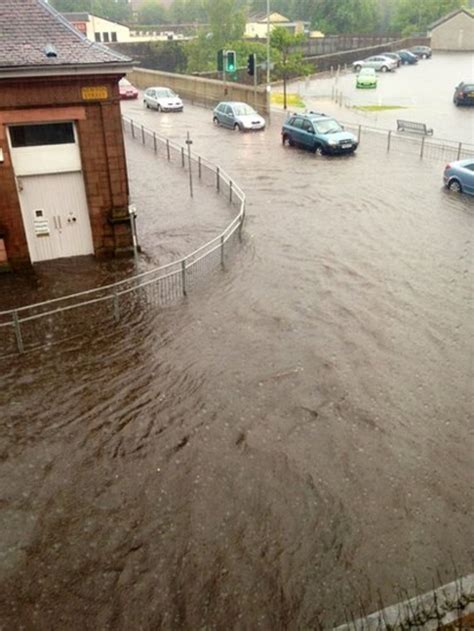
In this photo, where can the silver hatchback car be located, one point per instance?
(238, 116)
(378, 62)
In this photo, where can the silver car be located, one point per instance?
(378, 62)
(162, 100)
(238, 116)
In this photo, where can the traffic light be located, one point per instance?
(220, 60)
(251, 64)
(231, 61)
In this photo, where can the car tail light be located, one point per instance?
(448, 166)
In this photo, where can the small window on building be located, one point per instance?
(36, 135)
(113, 35)
(97, 37)
(105, 37)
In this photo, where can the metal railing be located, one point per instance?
(46, 323)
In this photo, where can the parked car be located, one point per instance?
(238, 116)
(464, 94)
(319, 133)
(366, 78)
(127, 90)
(378, 62)
(459, 176)
(407, 57)
(422, 52)
(162, 100)
(394, 56)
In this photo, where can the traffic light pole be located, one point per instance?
(255, 82)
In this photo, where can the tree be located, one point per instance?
(152, 12)
(226, 21)
(350, 16)
(413, 17)
(115, 10)
(288, 63)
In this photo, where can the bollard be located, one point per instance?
(422, 148)
(116, 308)
(143, 135)
(199, 167)
(388, 140)
(132, 128)
(183, 276)
(459, 151)
(182, 157)
(154, 142)
(218, 182)
(222, 250)
(168, 149)
(230, 191)
(358, 134)
(19, 338)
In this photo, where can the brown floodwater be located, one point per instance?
(282, 449)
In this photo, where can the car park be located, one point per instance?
(407, 57)
(319, 133)
(127, 90)
(459, 176)
(422, 52)
(162, 99)
(464, 94)
(394, 56)
(378, 62)
(366, 78)
(238, 116)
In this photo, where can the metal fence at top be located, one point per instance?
(46, 323)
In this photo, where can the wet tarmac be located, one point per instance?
(288, 446)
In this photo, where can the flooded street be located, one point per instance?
(283, 449)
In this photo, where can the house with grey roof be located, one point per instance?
(63, 173)
(453, 32)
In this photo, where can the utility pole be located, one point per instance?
(268, 60)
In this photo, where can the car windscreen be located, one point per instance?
(468, 87)
(243, 110)
(327, 127)
(367, 71)
(124, 83)
(165, 93)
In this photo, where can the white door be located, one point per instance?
(55, 215)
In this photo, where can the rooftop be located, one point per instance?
(28, 27)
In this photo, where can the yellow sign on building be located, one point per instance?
(95, 93)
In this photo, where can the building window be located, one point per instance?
(97, 37)
(47, 134)
(113, 36)
(105, 37)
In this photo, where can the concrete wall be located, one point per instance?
(199, 90)
(454, 34)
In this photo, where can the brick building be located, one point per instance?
(63, 176)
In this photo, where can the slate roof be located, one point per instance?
(28, 26)
(447, 17)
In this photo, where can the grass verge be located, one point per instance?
(293, 100)
(378, 108)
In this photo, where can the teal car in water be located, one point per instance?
(319, 133)
(366, 78)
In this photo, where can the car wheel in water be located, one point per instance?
(384, 68)
(455, 186)
(158, 108)
(145, 103)
(237, 127)
(358, 68)
(319, 151)
(215, 120)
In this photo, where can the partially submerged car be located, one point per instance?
(459, 176)
(162, 99)
(366, 78)
(319, 133)
(127, 90)
(464, 94)
(407, 57)
(422, 52)
(238, 116)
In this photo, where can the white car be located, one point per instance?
(162, 100)
(377, 62)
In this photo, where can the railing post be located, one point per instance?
(183, 276)
(230, 191)
(241, 225)
(154, 142)
(143, 135)
(358, 134)
(116, 308)
(168, 149)
(422, 148)
(19, 338)
(389, 137)
(182, 157)
(222, 251)
(132, 127)
(459, 151)
(199, 167)
(218, 180)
